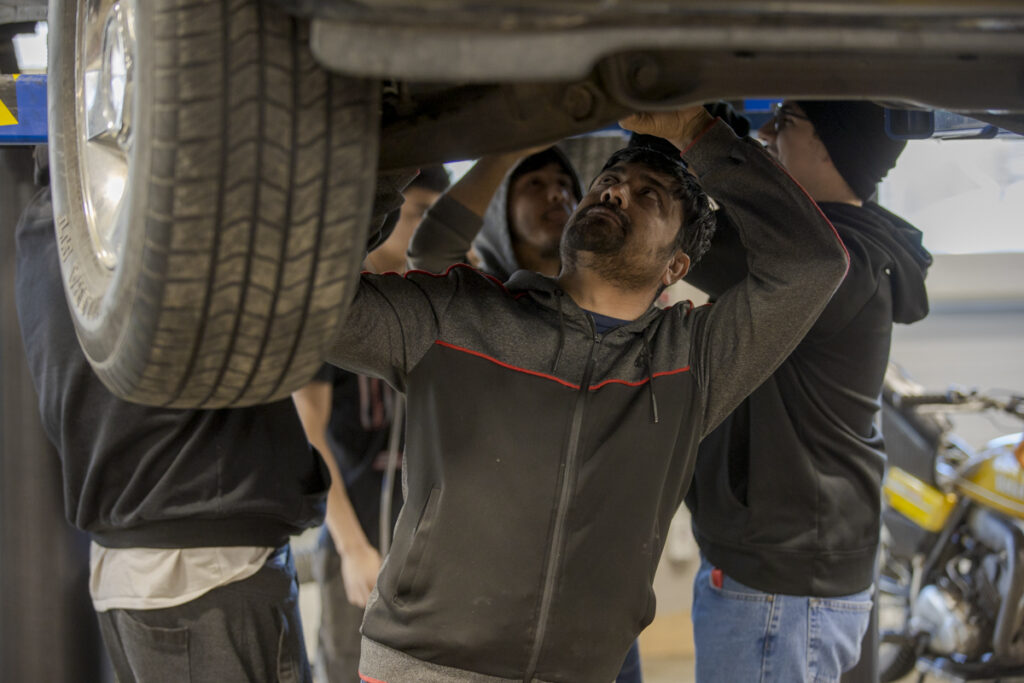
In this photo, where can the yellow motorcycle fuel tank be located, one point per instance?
(997, 482)
(919, 501)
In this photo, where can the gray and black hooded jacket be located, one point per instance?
(449, 229)
(545, 461)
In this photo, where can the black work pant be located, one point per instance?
(248, 630)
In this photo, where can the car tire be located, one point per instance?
(212, 188)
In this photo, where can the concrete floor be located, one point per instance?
(667, 669)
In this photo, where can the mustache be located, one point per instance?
(619, 214)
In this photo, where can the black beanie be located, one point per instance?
(854, 135)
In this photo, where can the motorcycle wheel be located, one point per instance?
(212, 187)
(896, 651)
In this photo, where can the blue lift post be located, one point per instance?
(23, 109)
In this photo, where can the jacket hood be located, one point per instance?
(902, 241)
(494, 241)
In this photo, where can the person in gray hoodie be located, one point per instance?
(510, 209)
(553, 423)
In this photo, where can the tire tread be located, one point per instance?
(252, 137)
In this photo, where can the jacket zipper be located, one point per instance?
(565, 494)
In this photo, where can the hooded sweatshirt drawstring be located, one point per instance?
(646, 356)
(561, 331)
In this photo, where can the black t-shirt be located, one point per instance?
(606, 323)
(359, 433)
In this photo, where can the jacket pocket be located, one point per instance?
(408, 579)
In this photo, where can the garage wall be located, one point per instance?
(977, 277)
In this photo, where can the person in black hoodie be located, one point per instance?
(189, 511)
(786, 495)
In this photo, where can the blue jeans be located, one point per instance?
(631, 672)
(742, 634)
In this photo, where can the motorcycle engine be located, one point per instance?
(958, 612)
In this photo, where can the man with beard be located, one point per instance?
(786, 496)
(545, 458)
(510, 209)
(513, 220)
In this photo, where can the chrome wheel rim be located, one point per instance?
(104, 89)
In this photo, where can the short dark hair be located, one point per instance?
(698, 226)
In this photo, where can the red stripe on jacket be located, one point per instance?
(544, 375)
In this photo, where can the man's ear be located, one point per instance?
(676, 269)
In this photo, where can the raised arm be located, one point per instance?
(725, 263)
(795, 261)
(392, 322)
(446, 232)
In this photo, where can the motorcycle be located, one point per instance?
(951, 566)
